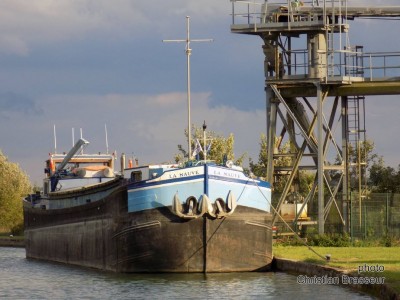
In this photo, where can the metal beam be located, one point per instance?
(366, 88)
(321, 160)
(271, 130)
(303, 132)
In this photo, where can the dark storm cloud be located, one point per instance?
(16, 103)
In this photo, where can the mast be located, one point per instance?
(188, 52)
(105, 129)
(55, 139)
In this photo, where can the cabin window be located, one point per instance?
(136, 176)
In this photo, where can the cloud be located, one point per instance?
(86, 63)
(15, 103)
(13, 45)
(27, 23)
(148, 125)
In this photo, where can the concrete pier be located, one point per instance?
(12, 242)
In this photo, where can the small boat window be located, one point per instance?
(136, 176)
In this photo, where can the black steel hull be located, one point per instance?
(103, 235)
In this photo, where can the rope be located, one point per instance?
(295, 234)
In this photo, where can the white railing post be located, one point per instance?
(370, 67)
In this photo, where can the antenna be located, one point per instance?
(105, 128)
(81, 138)
(188, 51)
(55, 139)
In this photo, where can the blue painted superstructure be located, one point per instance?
(214, 181)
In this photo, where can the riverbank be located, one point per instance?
(6, 241)
(373, 270)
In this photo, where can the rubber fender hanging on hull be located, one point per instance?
(226, 208)
(193, 209)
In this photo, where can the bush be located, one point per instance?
(289, 241)
(388, 241)
(326, 240)
(330, 240)
(18, 229)
(14, 185)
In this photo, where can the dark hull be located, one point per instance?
(103, 235)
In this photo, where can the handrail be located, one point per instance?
(352, 62)
(346, 63)
(258, 9)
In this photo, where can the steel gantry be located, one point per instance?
(316, 85)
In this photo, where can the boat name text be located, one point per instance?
(184, 174)
(226, 174)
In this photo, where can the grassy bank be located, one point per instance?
(350, 259)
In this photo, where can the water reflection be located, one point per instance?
(30, 279)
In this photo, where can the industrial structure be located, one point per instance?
(316, 83)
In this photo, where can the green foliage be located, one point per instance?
(390, 241)
(290, 241)
(385, 241)
(384, 178)
(306, 182)
(305, 179)
(18, 229)
(220, 146)
(312, 239)
(364, 155)
(330, 240)
(260, 168)
(14, 185)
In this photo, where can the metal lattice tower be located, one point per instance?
(316, 84)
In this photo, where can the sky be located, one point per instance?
(90, 63)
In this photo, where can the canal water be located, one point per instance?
(30, 279)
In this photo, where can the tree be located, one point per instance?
(220, 147)
(383, 178)
(305, 179)
(260, 168)
(363, 154)
(14, 185)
